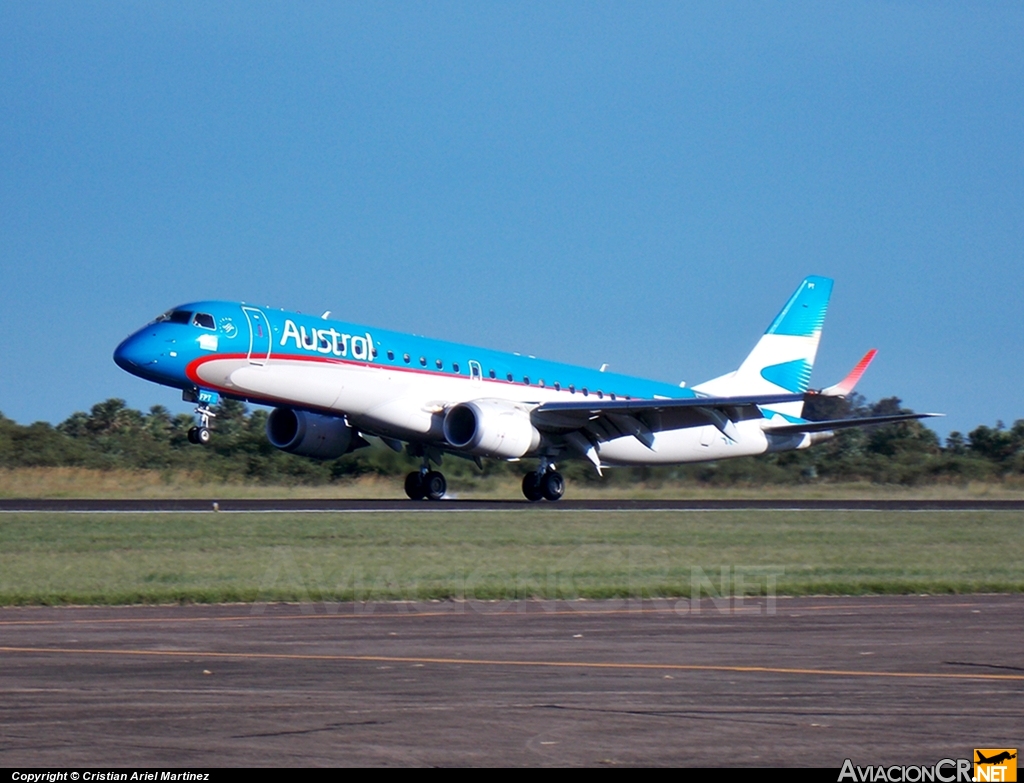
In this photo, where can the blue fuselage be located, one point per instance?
(175, 349)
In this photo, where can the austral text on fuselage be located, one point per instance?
(328, 341)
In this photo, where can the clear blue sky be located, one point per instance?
(641, 184)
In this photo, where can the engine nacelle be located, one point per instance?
(491, 428)
(308, 434)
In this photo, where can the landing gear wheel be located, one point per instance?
(414, 486)
(434, 485)
(199, 435)
(552, 485)
(531, 487)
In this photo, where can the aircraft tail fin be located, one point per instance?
(784, 356)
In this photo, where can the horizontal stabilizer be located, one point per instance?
(840, 424)
(845, 386)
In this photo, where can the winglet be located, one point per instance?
(845, 386)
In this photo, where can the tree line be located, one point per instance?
(114, 436)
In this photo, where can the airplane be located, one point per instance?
(333, 383)
(996, 759)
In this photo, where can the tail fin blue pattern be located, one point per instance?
(783, 358)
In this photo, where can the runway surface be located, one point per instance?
(795, 681)
(326, 504)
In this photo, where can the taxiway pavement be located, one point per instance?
(797, 681)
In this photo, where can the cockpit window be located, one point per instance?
(204, 320)
(175, 317)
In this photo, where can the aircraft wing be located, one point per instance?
(608, 419)
(839, 424)
(595, 407)
(846, 385)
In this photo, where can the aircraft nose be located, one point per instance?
(134, 353)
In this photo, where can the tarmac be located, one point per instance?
(904, 680)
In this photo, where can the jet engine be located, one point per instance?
(491, 428)
(309, 434)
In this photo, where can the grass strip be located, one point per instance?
(534, 553)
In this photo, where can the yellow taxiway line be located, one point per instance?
(621, 666)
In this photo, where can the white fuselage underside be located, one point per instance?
(409, 405)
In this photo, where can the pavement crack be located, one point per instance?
(985, 665)
(773, 720)
(328, 727)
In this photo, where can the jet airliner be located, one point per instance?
(333, 383)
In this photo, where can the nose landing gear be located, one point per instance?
(202, 434)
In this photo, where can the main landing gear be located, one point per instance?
(424, 483)
(545, 482)
(202, 434)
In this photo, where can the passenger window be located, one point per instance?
(558, 386)
(423, 361)
(509, 376)
(406, 358)
(492, 373)
(391, 355)
(439, 364)
(455, 366)
(584, 390)
(526, 380)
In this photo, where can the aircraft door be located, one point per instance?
(476, 373)
(259, 335)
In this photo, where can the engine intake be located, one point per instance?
(308, 434)
(491, 428)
